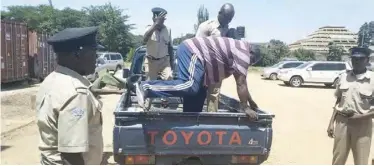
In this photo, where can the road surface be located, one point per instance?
(301, 118)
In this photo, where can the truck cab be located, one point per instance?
(165, 135)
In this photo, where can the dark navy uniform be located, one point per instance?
(69, 116)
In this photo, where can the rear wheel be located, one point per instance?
(296, 81)
(328, 85)
(273, 76)
(118, 68)
(335, 82)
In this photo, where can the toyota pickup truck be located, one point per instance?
(165, 135)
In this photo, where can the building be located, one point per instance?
(319, 40)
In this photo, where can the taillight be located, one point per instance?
(139, 159)
(243, 159)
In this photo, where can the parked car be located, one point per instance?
(318, 72)
(100, 65)
(113, 60)
(272, 72)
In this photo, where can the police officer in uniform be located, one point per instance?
(353, 111)
(159, 48)
(69, 116)
(219, 28)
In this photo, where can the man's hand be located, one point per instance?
(330, 130)
(159, 21)
(252, 115)
(357, 116)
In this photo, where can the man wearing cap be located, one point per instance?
(69, 116)
(353, 111)
(159, 48)
(218, 28)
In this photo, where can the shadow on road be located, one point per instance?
(308, 86)
(4, 147)
(17, 85)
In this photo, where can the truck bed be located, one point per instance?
(170, 132)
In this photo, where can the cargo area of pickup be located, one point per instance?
(170, 136)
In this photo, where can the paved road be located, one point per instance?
(300, 124)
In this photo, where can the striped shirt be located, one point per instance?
(220, 56)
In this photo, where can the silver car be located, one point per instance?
(273, 71)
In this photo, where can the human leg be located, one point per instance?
(188, 82)
(361, 141)
(195, 103)
(341, 141)
(213, 97)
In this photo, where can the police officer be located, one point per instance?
(353, 111)
(217, 28)
(69, 116)
(159, 48)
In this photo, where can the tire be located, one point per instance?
(296, 81)
(335, 82)
(328, 85)
(286, 83)
(273, 76)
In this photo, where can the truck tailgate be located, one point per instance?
(170, 132)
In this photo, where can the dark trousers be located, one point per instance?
(188, 84)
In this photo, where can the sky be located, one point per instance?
(286, 20)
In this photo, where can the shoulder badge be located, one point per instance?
(77, 112)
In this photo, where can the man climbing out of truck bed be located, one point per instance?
(204, 61)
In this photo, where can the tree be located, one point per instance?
(114, 33)
(178, 40)
(130, 55)
(335, 52)
(366, 34)
(202, 16)
(278, 49)
(304, 55)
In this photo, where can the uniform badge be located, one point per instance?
(77, 112)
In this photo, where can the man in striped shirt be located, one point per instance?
(204, 61)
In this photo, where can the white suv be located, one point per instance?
(272, 71)
(318, 72)
(113, 60)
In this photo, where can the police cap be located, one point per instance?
(360, 52)
(157, 10)
(73, 39)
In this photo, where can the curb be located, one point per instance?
(17, 128)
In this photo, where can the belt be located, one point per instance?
(344, 114)
(153, 58)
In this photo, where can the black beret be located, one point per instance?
(158, 10)
(72, 39)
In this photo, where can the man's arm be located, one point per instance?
(243, 93)
(73, 129)
(148, 33)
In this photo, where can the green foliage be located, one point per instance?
(202, 16)
(114, 32)
(366, 35)
(178, 40)
(335, 52)
(130, 55)
(303, 55)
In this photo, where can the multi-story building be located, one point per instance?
(320, 39)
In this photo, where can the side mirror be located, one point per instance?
(309, 69)
(125, 73)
